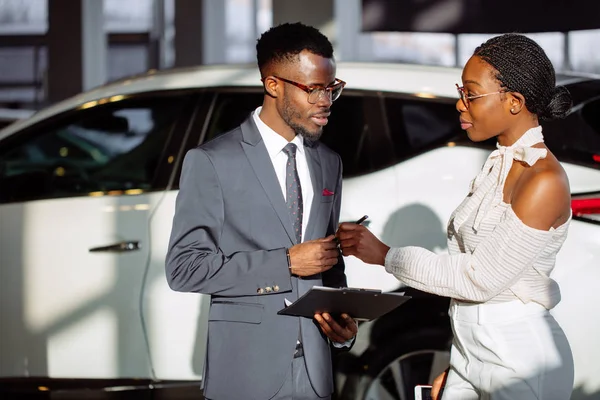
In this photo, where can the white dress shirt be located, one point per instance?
(275, 144)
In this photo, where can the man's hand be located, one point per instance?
(313, 257)
(356, 240)
(339, 332)
(438, 384)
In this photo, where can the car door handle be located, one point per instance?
(121, 247)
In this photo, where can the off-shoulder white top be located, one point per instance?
(493, 256)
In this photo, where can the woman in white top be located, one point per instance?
(502, 239)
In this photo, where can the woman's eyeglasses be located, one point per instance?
(316, 93)
(466, 99)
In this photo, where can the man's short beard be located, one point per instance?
(289, 114)
(300, 130)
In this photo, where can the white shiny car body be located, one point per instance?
(66, 311)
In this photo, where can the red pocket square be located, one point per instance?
(327, 192)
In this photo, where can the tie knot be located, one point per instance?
(290, 150)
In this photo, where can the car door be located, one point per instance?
(76, 193)
(178, 322)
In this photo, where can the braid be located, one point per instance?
(523, 67)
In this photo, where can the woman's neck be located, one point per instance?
(510, 136)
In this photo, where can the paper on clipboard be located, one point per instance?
(360, 304)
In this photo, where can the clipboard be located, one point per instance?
(360, 304)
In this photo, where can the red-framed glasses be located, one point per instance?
(316, 93)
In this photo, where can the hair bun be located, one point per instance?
(560, 104)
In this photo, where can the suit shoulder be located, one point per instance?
(327, 152)
(223, 141)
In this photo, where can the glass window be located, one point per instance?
(580, 56)
(348, 133)
(230, 110)
(107, 148)
(357, 132)
(127, 60)
(368, 131)
(591, 115)
(31, 16)
(416, 125)
(128, 16)
(23, 17)
(21, 73)
(245, 20)
(371, 132)
(577, 137)
(410, 47)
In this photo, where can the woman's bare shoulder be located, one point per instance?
(542, 197)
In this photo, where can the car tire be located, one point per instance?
(415, 358)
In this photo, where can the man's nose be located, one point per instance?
(325, 98)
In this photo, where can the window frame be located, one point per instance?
(174, 142)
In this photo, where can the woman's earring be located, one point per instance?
(512, 110)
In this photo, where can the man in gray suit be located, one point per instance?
(254, 224)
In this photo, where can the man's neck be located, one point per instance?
(271, 118)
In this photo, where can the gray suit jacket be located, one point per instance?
(230, 232)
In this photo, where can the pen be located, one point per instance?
(361, 220)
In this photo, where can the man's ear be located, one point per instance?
(516, 102)
(272, 86)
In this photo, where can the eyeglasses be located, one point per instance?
(316, 93)
(466, 99)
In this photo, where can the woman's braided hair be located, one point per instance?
(523, 67)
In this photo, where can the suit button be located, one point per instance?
(268, 289)
(260, 290)
(276, 288)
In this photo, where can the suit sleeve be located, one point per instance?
(194, 260)
(336, 277)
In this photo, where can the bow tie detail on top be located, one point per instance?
(487, 187)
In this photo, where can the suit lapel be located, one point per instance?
(259, 159)
(316, 175)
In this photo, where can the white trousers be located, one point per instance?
(507, 351)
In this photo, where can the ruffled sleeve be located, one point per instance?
(496, 264)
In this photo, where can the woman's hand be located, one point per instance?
(438, 384)
(357, 240)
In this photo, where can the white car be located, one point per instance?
(10, 115)
(87, 197)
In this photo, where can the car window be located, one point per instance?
(591, 115)
(358, 132)
(372, 132)
(576, 138)
(416, 125)
(369, 131)
(348, 132)
(115, 147)
(230, 110)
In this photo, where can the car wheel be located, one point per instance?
(392, 371)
